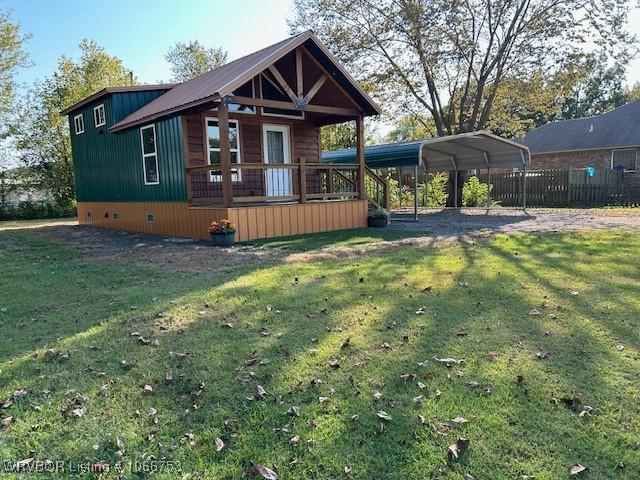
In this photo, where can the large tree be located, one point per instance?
(41, 134)
(188, 60)
(448, 59)
(12, 57)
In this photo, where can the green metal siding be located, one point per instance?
(108, 167)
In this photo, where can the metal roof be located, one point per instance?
(466, 151)
(107, 90)
(617, 128)
(223, 80)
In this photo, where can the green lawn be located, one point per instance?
(67, 324)
(338, 238)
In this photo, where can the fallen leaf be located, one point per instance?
(260, 393)
(421, 386)
(295, 441)
(534, 311)
(619, 347)
(572, 402)
(263, 471)
(346, 343)
(169, 375)
(147, 389)
(491, 356)
(78, 412)
(294, 411)
(458, 448)
(586, 411)
(219, 444)
(6, 421)
(448, 361)
(577, 469)
(334, 363)
(384, 415)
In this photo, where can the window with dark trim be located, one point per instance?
(149, 155)
(626, 159)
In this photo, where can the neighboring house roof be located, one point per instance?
(107, 90)
(223, 80)
(614, 129)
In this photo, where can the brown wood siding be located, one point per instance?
(305, 142)
(264, 221)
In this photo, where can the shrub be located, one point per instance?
(434, 192)
(378, 213)
(29, 210)
(475, 193)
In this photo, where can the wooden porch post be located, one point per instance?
(225, 154)
(362, 195)
(303, 180)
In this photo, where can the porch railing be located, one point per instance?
(256, 183)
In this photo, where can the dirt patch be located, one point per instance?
(160, 251)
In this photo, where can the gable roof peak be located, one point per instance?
(223, 80)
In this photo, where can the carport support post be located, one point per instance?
(455, 189)
(524, 181)
(362, 194)
(415, 193)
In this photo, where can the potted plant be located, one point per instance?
(222, 232)
(378, 218)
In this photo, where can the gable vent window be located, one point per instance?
(98, 116)
(78, 123)
(149, 155)
(626, 159)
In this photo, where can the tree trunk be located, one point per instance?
(462, 177)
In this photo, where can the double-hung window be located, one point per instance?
(98, 116)
(149, 155)
(624, 159)
(213, 148)
(78, 124)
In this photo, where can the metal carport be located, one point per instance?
(465, 151)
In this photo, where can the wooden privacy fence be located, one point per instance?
(563, 188)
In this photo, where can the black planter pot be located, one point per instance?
(223, 239)
(377, 222)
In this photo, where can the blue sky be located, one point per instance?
(141, 31)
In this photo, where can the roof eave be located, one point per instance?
(108, 90)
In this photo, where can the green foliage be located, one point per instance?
(188, 60)
(430, 194)
(12, 57)
(475, 193)
(41, 134)
(338, 136)
(434, 191)
(29, 210)
(452, 77)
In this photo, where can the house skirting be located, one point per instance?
(264, 221)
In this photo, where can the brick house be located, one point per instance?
(609, 140)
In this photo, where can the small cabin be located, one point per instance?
(240, 142)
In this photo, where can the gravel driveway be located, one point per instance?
(469, 221)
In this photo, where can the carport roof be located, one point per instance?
(466, 151)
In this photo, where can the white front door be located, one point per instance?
(277, 150)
